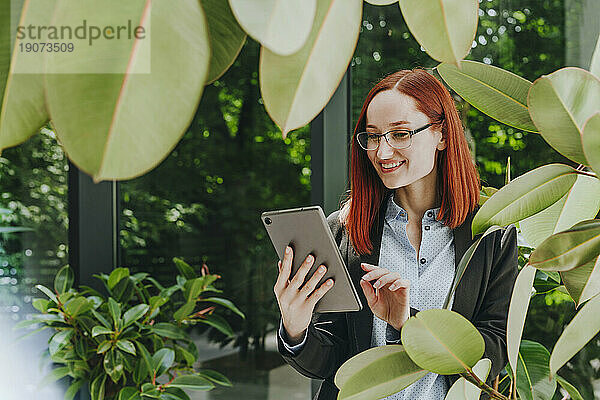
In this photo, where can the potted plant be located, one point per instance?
(131, 343)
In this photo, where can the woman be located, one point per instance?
(403, 229)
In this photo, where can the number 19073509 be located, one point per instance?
(41, 47)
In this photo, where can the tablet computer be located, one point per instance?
(306, 230)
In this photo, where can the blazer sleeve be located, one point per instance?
(491, 318)
(327, 345)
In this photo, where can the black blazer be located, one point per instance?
(482, 296)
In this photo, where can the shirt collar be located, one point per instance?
(396, 212)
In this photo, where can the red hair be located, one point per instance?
(456, 174)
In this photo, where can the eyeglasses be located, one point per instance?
(396, 138)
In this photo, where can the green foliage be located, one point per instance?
(207, 210)
(130, 348)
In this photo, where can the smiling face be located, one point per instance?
(390, 109)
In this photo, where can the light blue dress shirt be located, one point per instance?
(430, 274)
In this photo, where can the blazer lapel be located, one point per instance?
(466, 292)
(361, 322)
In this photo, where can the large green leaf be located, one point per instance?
(533, 374)
(78, 305)
(595, 64)
(101, 330)
(445, 28)
(113, 365)
(464, 263)
(60, 340)
(560, 104)
(377, 372)
(282, 26)
(465, 390)
(97, 388)
(583, 282)
(225, 303)
(73, 389)
(63, 281)
(214, 376)
(184, 311)
(22, 105)
(126, 346)
(47, 292)
(114, 309)
(194, 287)
(582, 328)
(295, 88)
(226, 37)
(184, 268)
(192, 382)
(146, 359)
(578, 204)
(494, 91)
(129, 393)
(524, 196)
(173, 393)
(134, 313)
(591, 142)
(162, 360)
(572, 390)
(168, 330)
(134, 118)
(116, 276)
(569, 249)
(218, 322)
(5, 54)
(442, 341)
(519, 303)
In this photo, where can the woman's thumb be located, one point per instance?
(367, 290)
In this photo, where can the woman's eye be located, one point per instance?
(400, 134)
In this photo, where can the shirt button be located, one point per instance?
(423, 261)
(430, 214)
(427, 227)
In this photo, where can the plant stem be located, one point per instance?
(474, 379)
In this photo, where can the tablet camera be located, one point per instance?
(268, 221)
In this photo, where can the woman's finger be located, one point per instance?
(368, 267)
(385, 279)
(300, 275)
(400, 283)
(286, 265)
(377, 273)
(320, 292)
(314, 279)
(281, 282)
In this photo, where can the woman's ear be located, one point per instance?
(442, 143)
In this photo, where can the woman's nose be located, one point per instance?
(384, 149)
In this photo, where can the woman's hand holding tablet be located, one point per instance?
(297, 301)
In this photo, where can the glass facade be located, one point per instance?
(33, 246)
(203, 204)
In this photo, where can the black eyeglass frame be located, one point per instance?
(379, 135)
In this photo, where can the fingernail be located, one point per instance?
(376, 285)
(392, 286)
(288, 249)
